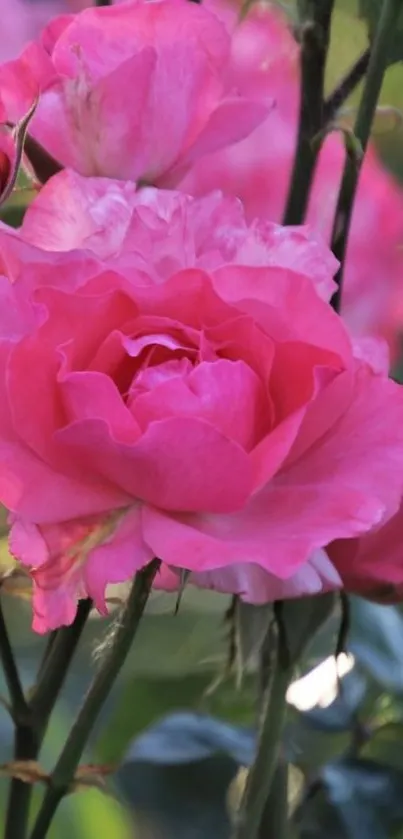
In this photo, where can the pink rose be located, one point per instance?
(210, 417)
(136, 91)
(258, 170)
(372, 566)
(158, 231)
(22, 20)
(254, 584)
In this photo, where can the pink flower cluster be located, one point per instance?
(174, 382)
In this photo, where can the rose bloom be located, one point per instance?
(201, 403)
(372, 566)
(265, 63)
(136, 91)
(263, 67)
(22, 20)
(158, 231)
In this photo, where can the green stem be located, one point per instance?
(65, 769)
(48, 646)
(31, 717)
(346, 87)
(25, 744)
(378, 63)
(315, 35)
(54, 668)
(261, 775)
(19, 707)
(26, 747)
(275, 815)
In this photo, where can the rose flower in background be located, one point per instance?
(258, 170)
(156, 101)
(22, 21)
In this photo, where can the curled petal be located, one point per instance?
(11, 153)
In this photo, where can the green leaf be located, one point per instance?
(302, 619)
(309, 748)
(178, 772)
(352, 799)
(367, 795)
(340, 714)
(370, 11)
(188, 737)
(317, 818)
(385, 745)
(251, 627)
(178, 802)
(145, 700)
(376, 641)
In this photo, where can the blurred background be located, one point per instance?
(181, 742)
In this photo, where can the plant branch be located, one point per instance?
(345, 87)
(275, 816)
(376, 70)
(65, 769)
(19, 706)
(263, 771)
(315, 38)
(54, 668)
(25, 745)
(32, 718)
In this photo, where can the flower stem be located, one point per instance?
(64, 771)
(275, 815)
(315, 36)
(259, 784)
(31, 716)
(346, 86)
(377, 65)
(25, 745)
(54, 668)
(19, 707)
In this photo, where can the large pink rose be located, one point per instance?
(258, 171)
(136, 91)
(211, 418)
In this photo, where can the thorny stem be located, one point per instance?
(64, 771)
(31, 716)
(263, 772)
(24, 740)
(376, 70)
(345, 87)
(315, 38)
(19, 707)
(55, 666)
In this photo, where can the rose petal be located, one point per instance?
(179, 463)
